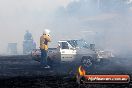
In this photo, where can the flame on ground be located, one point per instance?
(81, 71)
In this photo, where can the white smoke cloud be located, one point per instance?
(111, 21)
(17, 16)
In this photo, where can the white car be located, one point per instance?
(74, 51)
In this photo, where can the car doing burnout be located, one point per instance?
(73, 51)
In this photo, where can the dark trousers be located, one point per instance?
(43, 60)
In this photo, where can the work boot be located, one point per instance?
(47, 66)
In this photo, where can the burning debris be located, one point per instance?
(81, 73)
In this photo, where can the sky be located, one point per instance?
(107, 24)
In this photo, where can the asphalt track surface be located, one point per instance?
(23, 72)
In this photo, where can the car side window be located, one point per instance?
(65, 45)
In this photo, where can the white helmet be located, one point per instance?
(46, 31)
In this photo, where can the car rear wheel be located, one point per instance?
(87, 61)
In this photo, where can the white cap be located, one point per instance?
(46, 31)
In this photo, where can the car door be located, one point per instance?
(67, 52)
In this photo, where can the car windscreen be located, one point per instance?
(78, 43)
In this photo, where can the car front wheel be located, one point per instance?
(87, 61)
